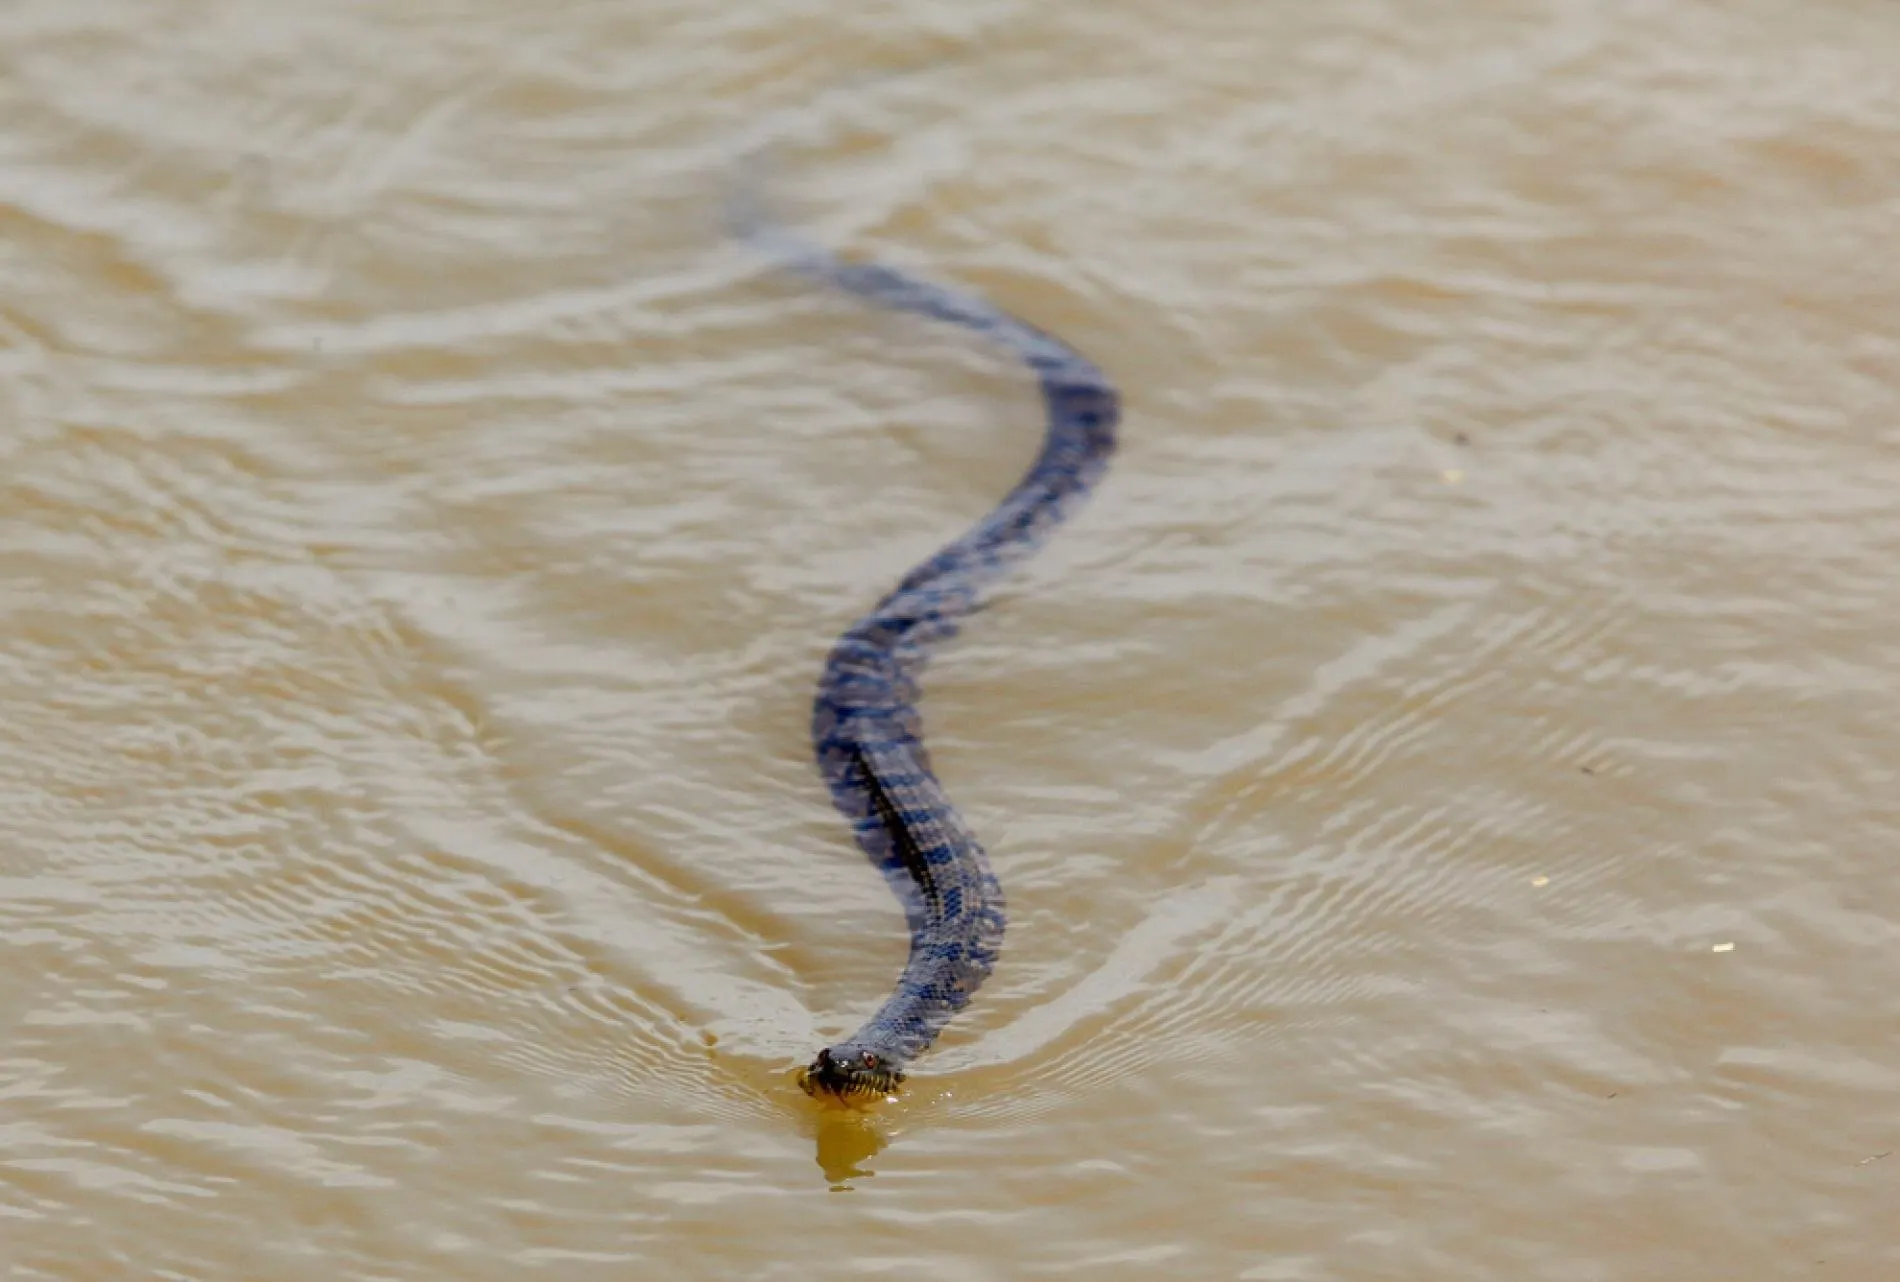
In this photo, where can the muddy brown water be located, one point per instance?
(1446, 782)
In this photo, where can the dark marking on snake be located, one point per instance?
(865, 728)
(906, 845)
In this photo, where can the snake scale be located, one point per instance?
(865, 728)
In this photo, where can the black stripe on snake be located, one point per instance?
(865, 727)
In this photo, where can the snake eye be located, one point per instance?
(870, 1060)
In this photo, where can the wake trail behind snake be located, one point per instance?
(865, 727)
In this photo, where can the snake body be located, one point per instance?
(865, 727)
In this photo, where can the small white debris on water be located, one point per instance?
(1724, 948)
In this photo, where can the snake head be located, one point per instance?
(850, 1072)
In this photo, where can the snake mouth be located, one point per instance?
(849, 1075)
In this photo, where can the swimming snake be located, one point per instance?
(865, 726)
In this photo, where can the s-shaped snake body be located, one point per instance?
(865, 727)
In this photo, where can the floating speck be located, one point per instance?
(1724, 948)
(1540, 881)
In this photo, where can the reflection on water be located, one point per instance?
(846, 1139)
(1443, 783)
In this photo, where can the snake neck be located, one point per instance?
(961, 929)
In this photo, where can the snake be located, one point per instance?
(866, 731)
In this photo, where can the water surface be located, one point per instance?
(1445, 782)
